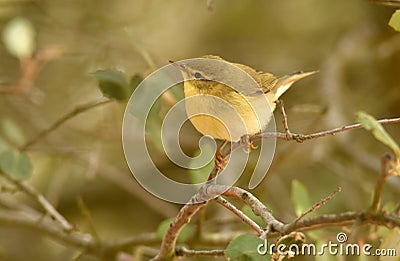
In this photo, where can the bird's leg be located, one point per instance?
(220, 161)
(284, 119)
(245, 141)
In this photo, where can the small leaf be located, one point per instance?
(187, 232)
(134, 82)
(12, 131)
(15, 164)
(249, 212)
(395, 20)
(369, 123)
(112, 83)
(245, 248)
(19, 37)
(300, 199)
(200, 175)
(3, 145)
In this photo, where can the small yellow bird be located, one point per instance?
(224, 103)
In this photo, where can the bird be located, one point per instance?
(231, 101)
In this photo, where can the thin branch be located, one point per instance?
(343, 219)
(281, 106)
(391, 3)
(240, 214)
(304, 137)
(85, 242)
(46, 226)
(318, 204)
(146, 238)
(167, 249)
(46, 205)
(254, 203)
(296, 137)
(88, 217)
(79, 109)
(183, 251)
(385, 161)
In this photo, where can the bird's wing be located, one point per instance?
(267, 81)
(245, 87)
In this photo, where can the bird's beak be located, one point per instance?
(179, 66)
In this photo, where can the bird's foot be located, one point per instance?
(245, 141)
(220, 160)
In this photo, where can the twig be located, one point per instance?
(139, 253)
(88, 217)
(183, 251)
(167, 250)
(304, 137)
(318, 204)
(48, 227)
(296, 137)
(343, 219)
(128, 243)
(84, 242)
(254, 203)
(385, 161)
(392, 3)
(46, 205)
(59, 122)
(284, 118)
(240, 214)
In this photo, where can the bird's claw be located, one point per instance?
(245, 141)
(220, 161)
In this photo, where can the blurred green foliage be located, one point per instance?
(350, 42)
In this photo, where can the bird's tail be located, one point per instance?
(284, 83)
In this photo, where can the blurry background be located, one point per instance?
(357, 53)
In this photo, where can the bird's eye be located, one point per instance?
(198, 76)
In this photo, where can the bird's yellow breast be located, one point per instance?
(223, 113)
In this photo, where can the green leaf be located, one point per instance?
(134, 82)
(3, 145)
(112, 83)
(16, 165)
(187, 232)
(19, 37)
(370, 123)
(245, 248)
(12, 131)
(391, 242)
(300, 198)
(200, 175)
(249, 212)
(395, 20)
